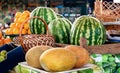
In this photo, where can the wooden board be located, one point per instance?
(99, 49)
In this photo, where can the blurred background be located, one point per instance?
(68, 8)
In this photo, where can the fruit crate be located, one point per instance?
(23, 67)
(108, 12)
(15, 54)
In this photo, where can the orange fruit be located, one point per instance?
(16, 31)
(16, 20)
(7, 40)
(18, 14)
(0, 34)
(9, 31)
(24, 31)
(12, 25)
(18, 25)
(2, 41)
(26, 26)
(26, 13)
(21, 20)
(29, 31)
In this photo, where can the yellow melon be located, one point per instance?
(33, 54)
(57, 59)
(81, 53)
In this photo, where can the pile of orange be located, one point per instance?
(19, 18)
(4, 40)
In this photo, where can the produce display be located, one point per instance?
(60, 29)
(47, 14)
(90, 28)
(69, 57)
(46, 58)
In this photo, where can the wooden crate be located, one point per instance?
(113, 48)
(107, 11)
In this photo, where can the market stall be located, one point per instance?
(43, 41)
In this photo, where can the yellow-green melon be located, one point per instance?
(57, 59)
(81, 53)
(33, 54)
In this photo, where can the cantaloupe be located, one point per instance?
(81, 53)
(57, 59)
(33, 54)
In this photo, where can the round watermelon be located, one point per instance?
(47, 14)
(60, 29)
(90, 28)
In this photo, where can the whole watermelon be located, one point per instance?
(90, 28)
(60, 29)
(47, 14)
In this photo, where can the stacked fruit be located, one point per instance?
(84, 26)
(4, 40)
(3, 55)
(18, 20)
(46, 57)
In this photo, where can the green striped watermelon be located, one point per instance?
(47, 14)
(90, 28)
(60, 29)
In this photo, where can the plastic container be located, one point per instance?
(14, 56)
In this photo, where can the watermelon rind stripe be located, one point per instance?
(77, 33)
(68, 27)
(30, 25)
(85, 29)
(100, 40)
(39, 21)
(45, 16)
(72, 33)
(49, 13)
(64, 28)
(36, 22)
(93, 30)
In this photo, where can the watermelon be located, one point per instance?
(47, 14)
(60, 29)
(90, 28)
